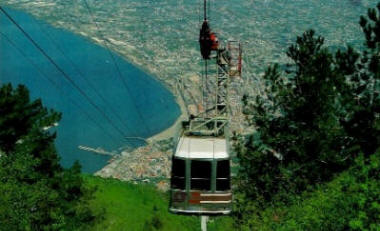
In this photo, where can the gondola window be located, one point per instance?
(178, 174)
(200, 175)
(223, 175)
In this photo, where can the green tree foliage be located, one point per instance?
(36, 192)
(349, 202)
(313, 121)
(299, 139)
(361, 95)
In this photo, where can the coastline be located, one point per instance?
(148, 163)
(170, 131)
(168, 83)
(128, 160)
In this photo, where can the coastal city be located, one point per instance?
(189, 115)
(160, 37)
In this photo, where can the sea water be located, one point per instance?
(143, 105)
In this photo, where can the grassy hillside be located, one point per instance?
(127, 206)
(350, 201)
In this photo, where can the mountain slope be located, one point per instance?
(126, 206)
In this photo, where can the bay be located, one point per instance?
(143, 105)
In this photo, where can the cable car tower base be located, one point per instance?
(204, 220)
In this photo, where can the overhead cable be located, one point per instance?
(115, 64)
(77, 69)
(64, 74)
(55, 84)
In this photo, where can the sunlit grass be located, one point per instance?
(127, 206)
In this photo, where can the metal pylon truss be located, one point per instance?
(223, 93)
(221, 83)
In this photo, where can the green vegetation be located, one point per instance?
(349, 202)
(316, 119)
(36, 192)
(126, 206)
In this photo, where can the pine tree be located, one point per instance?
(36, 192)
(363, 95)
(316, 117)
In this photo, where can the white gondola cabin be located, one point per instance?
(200, 181)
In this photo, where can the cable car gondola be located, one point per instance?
(200, 181)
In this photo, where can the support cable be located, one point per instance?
(65, 75)
(115, 64)
(204, 10)
(56, 85)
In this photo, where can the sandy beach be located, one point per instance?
(169, 132)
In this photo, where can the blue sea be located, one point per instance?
(143, 108)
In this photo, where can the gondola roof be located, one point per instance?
(193, 147)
